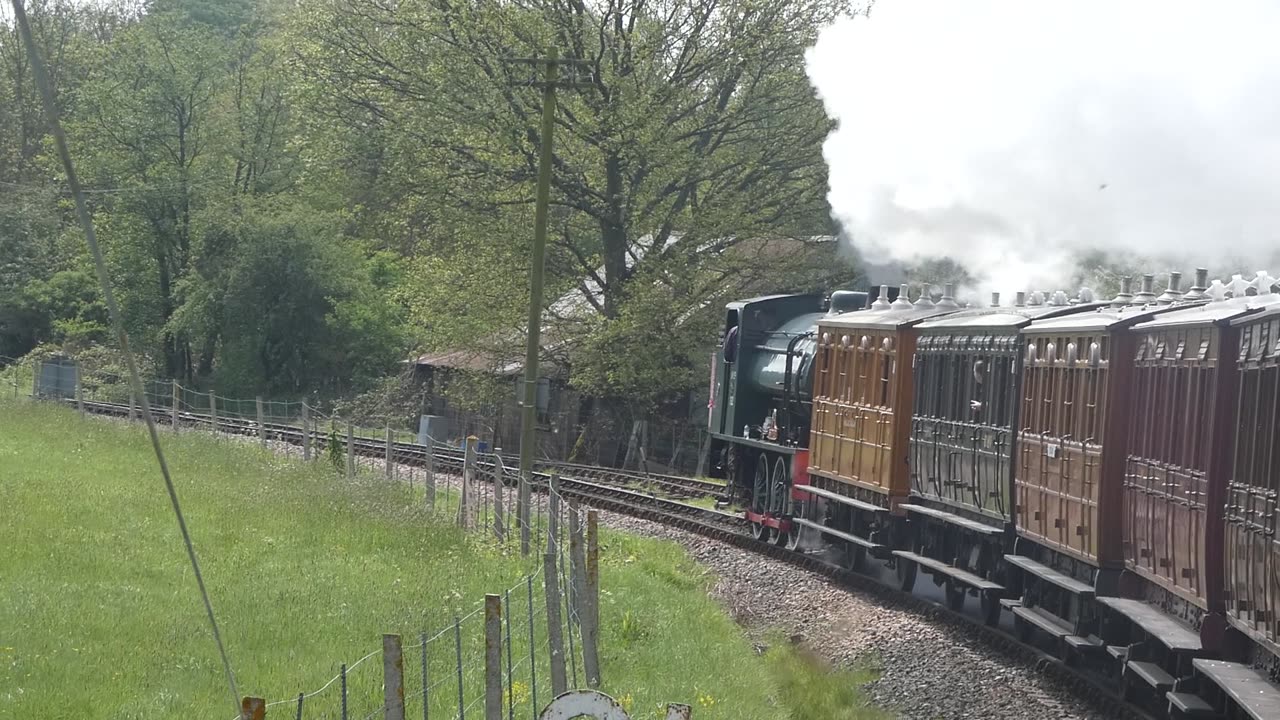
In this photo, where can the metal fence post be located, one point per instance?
(213, 410)
(301, 697)
(173, 416)
(457, 646)
(533, 661)
(262, 425)
(306, 432)
(555, 641)
(468, 470)
(391, 467)
(511, 696)
(426, 685)
(591, 603)
(492, 657)
(351, 452)
(429, 475)
(343, 673)
(393, 678)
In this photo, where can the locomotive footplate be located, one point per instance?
(782, 524)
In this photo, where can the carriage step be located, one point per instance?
(953, 519)
(1151, 674)
(837, 497)
(876, 549)
(1048, 574)
(1189, 705)
(937, 566)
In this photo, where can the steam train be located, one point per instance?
(1105, 474)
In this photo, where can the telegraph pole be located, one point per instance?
(528, 436)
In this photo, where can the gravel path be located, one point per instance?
(929, 670)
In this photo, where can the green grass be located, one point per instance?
(100, 618)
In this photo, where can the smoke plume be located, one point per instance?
(1014, 137)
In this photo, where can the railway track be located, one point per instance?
(634, 495)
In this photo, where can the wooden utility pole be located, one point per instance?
(551, 81)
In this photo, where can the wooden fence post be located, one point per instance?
(555, 640)
(591, 603)
(468, 471)
(306, 432)
(492, 657)
(252, 708)
(351, 452)
(173, 416)
(262, 425)
(499, 525)
(389, 460)
(429, 475)
(393, 678)
(213, 410)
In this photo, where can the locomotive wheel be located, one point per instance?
(855, 557)
(759, 493)
(955, 595)
(793, 537)
(779, 490)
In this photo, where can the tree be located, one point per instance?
(697, 133)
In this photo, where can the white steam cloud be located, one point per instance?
(1012, 136)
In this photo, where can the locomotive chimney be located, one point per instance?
(1147, 295)
(882, 299)
(1173, 293)
(1197, 290)
(995, 299)
(1059, 298)
(925, 300)
(1126, 292)
(1020, 298)
(948, 296)
(1036, 299)
(903, 301)
(1086, 295)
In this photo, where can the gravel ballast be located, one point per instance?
(928, 668)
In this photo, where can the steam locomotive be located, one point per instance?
(1104, 473)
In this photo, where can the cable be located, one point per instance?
(82, 210)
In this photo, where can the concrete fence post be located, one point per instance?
(79, 392)
(591, 603)
(351, 452)
(262, 425)
(306, 432)
(173, 411)
(468, 472)
(555, 624)
(389, 460)
(393, 678)
(133, 405)
(577, 564)
(213, 410)
(553, 515)
(523, 503)
(429, 475)
(493, 685)
(499, 488)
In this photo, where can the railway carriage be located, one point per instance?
(967, 369)
(862, 399)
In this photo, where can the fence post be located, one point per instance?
(391, 466)
(262, 425)
(555, 641)
(492, 657)
(426, 684)
(468, 469)
(79, 391)
(351, 452)
(499, 477)
(553, 515)
(577, 562)
(393, 678)
(306, 432)
(429, 475)
(533, 661)
(522, 513)
(35, 379)
(173, 412)
(133, 405)
(591, 609)
(252, 708)
(213, 410)
(343, 673)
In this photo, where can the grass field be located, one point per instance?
(99, 615)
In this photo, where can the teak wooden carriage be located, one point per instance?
(1076, 399)
(863, 390)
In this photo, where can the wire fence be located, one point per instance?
(545, 626)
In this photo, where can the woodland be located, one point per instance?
(297, 197)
